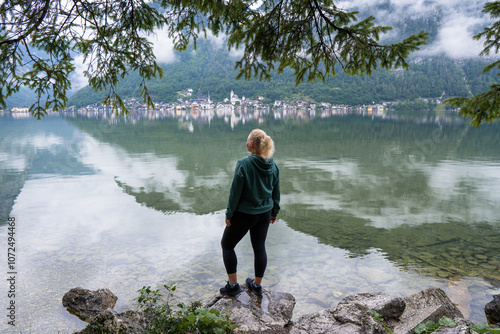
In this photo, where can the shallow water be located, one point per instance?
(368, 204)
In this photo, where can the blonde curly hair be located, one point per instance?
(263, 143)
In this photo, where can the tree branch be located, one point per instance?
(31, 29)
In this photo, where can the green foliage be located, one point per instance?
(431, 326)
(97, 329)
(483, 328)
(40, 38)
(485, 106)
(312, 37)
(379, 318)
(183, 319)
(482, 107)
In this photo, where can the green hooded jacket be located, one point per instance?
(255, 188)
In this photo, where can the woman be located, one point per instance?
(253, 203)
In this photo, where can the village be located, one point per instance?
(233, 109)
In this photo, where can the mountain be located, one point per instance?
(210, 70)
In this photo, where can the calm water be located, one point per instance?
(368, 204)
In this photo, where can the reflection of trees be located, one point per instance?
(342, 180)
(450, 249)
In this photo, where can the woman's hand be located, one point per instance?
(273, 220)
(228, 223)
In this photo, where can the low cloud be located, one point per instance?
(455, 38)
(78, 79)
(459, 21)
(163, 47)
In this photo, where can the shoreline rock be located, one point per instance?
(86, 304)
(272, 313)
(492, 311)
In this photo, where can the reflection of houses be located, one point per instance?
(377, 109)
(195, 110)
(17, 110)
(224, 109)
(380, 110)
(178, 110)
(20, 112)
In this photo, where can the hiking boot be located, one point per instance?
(229, 290)
(254, 288)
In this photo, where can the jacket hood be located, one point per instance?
(263, 166)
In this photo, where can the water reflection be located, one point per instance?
(368, 205)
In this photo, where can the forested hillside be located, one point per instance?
(210, 70)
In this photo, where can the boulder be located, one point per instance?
(87, 304)
(323, 322)
(352, 315)
(109, 321)
(270, 313)
(389, 307)
(492, 311)
(427, 305)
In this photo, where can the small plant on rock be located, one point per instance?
(379, 318)
(163, 318)
(431, 327)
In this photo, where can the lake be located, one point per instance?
(394, 203)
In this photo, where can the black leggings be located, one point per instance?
(241, 223)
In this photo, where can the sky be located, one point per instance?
(461, 20)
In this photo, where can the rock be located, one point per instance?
(352, 315)
(359, 315)
(270, 313)
(430, 304)
(322, 322)
(492, 311)
(389, 307)
(453, 330)
(108, 321)
(86, 304)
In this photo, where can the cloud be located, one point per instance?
(78, 79)
(163, 47)
(455, 38)
(458, 21)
